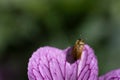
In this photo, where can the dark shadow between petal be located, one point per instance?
(69, 56)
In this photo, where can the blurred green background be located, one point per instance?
(26, 25)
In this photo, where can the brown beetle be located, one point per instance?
(77, 49)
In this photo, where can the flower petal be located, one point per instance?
(112, 75)
(88, 66)
(47, 63)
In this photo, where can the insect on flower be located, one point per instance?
(77, 49)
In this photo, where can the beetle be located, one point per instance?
(77, 49)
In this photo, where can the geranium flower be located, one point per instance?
(112, 75)
(50, 63)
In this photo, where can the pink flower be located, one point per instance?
(112, 75)
(49, 63)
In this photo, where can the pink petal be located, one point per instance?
(112, 75)
(45, 64)
(88, 66)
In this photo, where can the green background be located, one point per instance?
(26, 25)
